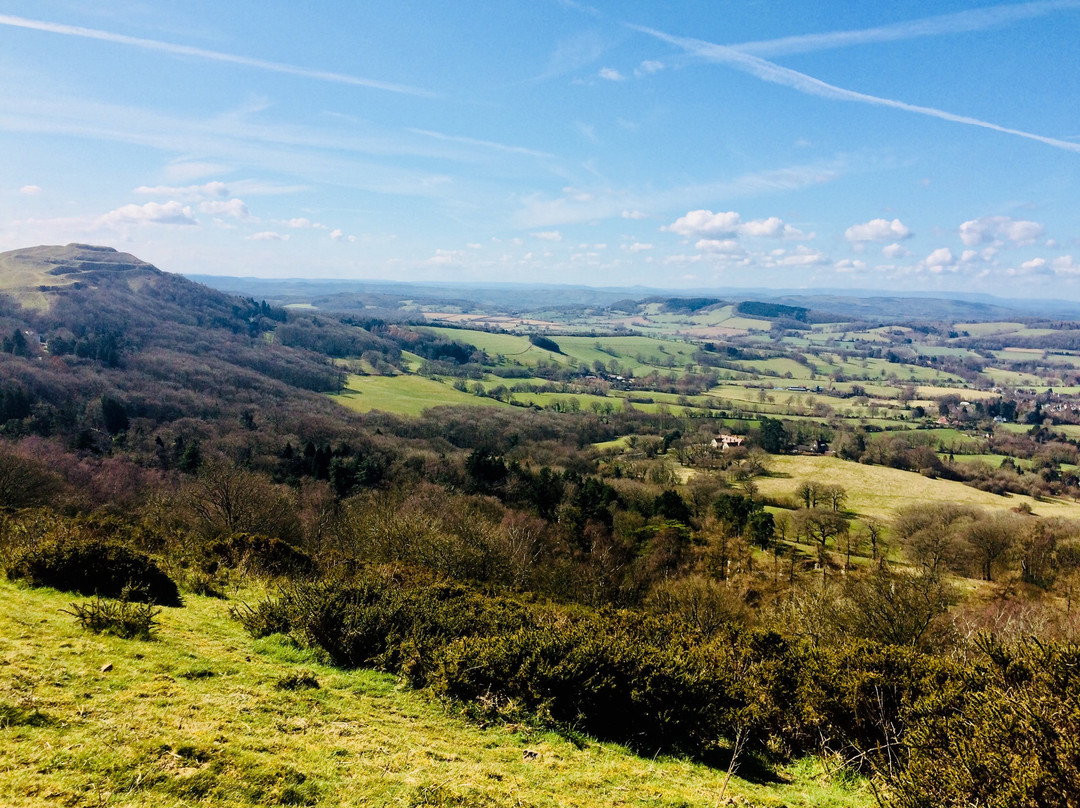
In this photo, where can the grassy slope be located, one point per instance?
(404, 395)
(878, 491)
(196, 717)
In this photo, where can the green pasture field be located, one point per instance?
(965, 393)
(944, 350)
(778, 366)
(512, 346)
(1012, 378)
(986, 329)
(625, 350)
(992, 460)
(1069, 430)
(404, 395)
(199, 716)
(878, 491)
(411, 360)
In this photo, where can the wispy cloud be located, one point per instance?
(209, 55)
(973, 20)
(301, 151)
(485, 144)
(775, 74)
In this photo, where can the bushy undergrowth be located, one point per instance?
(1011, 740)
(257, 553)
(652, 683)
(92, 566)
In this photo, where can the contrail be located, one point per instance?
(973, 20)
(209, 55)
(774, 73)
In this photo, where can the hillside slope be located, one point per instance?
(205, 714)
(82, 326)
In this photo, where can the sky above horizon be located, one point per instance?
(745, 143)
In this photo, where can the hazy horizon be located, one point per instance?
(789, 147)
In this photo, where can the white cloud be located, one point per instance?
(338, 235)
(705, 223)
(718, 246)
(637, 247)
(548, 235)
(849, 265)
(634, 214)
(648, 67)
(801, 256)
(1036, 266)
(939, 260)
(268, 235)
(208, 190)
(1066, 264)
(893, 251)
(611, 74)
(878, 230)
(232, 207)
(303, 223)
(446, 257)
(708, 225)
(773, 227)
(1000, 228)
(30, 190)
(169, 213)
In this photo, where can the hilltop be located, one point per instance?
(33, 275)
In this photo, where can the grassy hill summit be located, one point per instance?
(29, 275)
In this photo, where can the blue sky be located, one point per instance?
(711, 143)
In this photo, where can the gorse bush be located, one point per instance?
(1009, 739)
(652, 682)
(92, 566)
(121, 618)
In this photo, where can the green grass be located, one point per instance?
(405, 395)
(992, 460)
(879, 491)
(202, 716)
(515, 347)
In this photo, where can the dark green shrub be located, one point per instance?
(92, 566)
(265, 554)
(121, 618)
(607, 675)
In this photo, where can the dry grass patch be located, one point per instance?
(879, 491)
